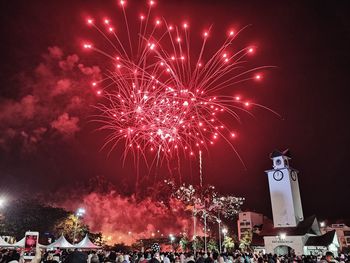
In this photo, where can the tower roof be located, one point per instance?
(277, 153)
(308, 226)
(324, 240)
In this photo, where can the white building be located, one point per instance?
(247, 221)
(343, 233)
(290, 232)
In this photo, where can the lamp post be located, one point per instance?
(172, 239)
(79, 213)
(224, 231)
(2, 201)
(205, 231)
(282, 236)
(219, 223)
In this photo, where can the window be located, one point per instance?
(245, 229)
(347, 233)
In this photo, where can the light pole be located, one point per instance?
(2, 201)
(194, 231)
(79, 213)
(205, 232)
(224, 231)
(219, 223)
(172, 239)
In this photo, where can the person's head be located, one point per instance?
(95, 259)
(49, 256)
(76, 257)
(329, 256)
(112, 256)
(15, 256)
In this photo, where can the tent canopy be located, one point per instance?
(60, 243)
(86, 243)
(21, 243)
(3, 243)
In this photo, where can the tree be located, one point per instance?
(246, 240)
(137, 246)
(97, 238)
(197, 243)
(175, 245)
(24, 215)
(121, 247)
(70, 225)
(212, 245)
(184, 243)
(229, 244)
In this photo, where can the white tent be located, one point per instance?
(3, 243)
(60, 243)
(21, 243)
(86, 243)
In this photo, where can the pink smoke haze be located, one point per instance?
(123, 219)
(55, 97)
(66, 125)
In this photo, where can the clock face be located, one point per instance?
(294, 175)
(278, 175)
(278, 162)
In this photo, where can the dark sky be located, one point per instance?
(307, 41)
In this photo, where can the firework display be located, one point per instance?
(205, 200)
(162, 95)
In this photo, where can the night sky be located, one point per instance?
(307, 41)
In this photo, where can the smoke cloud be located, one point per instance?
(124, 219)
(53, 99)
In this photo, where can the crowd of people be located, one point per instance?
(106, 256)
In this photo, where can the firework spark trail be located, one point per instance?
(158, 100)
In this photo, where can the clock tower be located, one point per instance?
(284, 191)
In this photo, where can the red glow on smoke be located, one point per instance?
(126, 220)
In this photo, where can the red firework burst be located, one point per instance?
(164, 97)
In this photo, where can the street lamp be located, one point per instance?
(322, 224)
(283, 236)
(224, 231)
(79, 213)
(219, 223)
(172, 239)
(2, 201)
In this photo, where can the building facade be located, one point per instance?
(247, 221)
(343, 233)
(290, 233)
